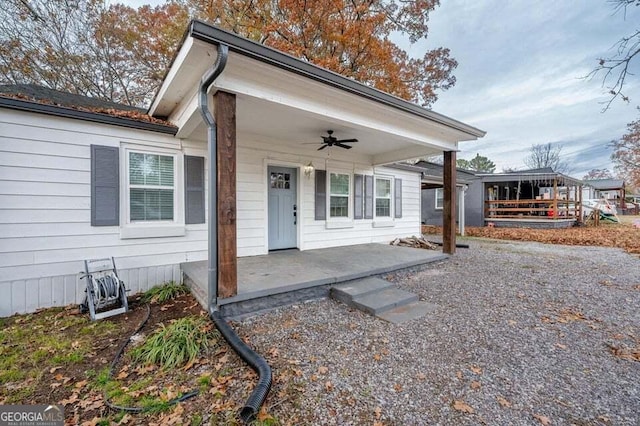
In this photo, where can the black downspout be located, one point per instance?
(251, 407)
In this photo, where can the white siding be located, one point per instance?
(253, 160)
(45, 229)
(45, 202)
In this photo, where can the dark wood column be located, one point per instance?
(449, 208)
(225, 116)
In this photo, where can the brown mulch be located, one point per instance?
(621, 236)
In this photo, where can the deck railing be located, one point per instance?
(528, 209)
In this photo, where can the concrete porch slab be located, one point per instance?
(287, 271)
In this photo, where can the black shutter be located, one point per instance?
(321, 195)
(368, 197)
(358, 204)
(397, 198)
(193, 189)
(105, 186)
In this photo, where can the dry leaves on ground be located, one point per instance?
(622, 236)
(544, 420)
(462, 407)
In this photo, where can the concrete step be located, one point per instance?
(345, 293)
(405, 313)
(383, 300)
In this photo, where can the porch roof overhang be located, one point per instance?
(283, 100)
(561, 179)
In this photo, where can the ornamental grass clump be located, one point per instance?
(164, 292)
(177, 344)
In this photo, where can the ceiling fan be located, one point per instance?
(331, 141)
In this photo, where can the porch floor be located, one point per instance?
(293, 270)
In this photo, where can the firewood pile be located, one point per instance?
(415, 242)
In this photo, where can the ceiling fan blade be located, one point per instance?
(342, 146)
(348, 140)
(322, 147)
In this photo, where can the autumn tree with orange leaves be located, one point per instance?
(114, 52)
(350, 37)
(626, 155)
(119, 53)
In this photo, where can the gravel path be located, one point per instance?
(525, 333)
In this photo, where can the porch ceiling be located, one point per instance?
(269, 122)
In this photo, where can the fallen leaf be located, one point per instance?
(475, 385)
(397, 387)
(462, 406)
(81, 384)
(378, 412)
(504, 402)
(476, 369)
(328, 386)
(377, 423)
(561, 346)
(72, 399)
(512, 323)
(544, 420)
(54, 369)
(421, 376)
(314, 378)
(263, 416)
(322, 370)
(377, 357)
(459, 374)
(122, 375)
(76, 344)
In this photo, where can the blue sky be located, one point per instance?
(519, 77)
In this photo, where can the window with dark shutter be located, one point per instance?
(194, 189)
(321, 195)
(368, 197)
(105, 186)
(397, 196)
(358, 196)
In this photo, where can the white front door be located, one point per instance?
(283, 209)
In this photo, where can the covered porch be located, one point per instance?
(290, 276)
(278, 176)
(532, 199)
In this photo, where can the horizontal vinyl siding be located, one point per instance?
(317, 236)
(252, 207)
(45, 201)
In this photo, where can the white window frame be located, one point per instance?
(341, 221)
(375, 197)
(152, 228)
(437, 198)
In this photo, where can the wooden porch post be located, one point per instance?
(580, 204)
(449, 208)
(555, 199)
(225, 116)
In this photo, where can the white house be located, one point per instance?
(77, 184)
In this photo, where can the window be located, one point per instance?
(280, 180)
(439, 198)
(151, 179)
(383, 197)
(339, 185)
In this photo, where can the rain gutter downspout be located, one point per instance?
(252, 406)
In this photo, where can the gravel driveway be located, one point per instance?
(524, 333)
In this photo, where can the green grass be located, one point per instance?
(68, 358)
(174, 345)
(165, 292)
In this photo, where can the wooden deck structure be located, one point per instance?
(535, 198)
